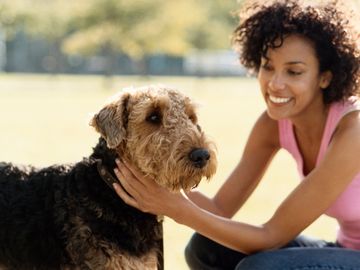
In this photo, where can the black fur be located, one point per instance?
(37, 207)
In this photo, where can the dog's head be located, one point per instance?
(156, 128)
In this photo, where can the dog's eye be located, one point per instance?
(154, 118)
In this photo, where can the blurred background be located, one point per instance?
(112, 37)
(61, 60)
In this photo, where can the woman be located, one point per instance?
(307, 64)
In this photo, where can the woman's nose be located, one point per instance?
(277, 82)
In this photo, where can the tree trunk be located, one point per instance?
(110, 65)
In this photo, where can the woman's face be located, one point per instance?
(290, 80)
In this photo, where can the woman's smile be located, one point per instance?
(290, 79)
(279, 100)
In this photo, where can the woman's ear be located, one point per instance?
(325, 79)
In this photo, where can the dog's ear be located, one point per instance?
(111, 121)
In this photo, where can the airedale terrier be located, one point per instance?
(68, 216)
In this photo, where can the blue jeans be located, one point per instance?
(302, 253)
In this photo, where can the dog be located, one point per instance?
(69, 217)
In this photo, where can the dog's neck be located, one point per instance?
(105, 161)
(105, 174)
(104, 158)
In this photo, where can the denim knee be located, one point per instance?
(197, 255)
(190, 256)
(259, 261)
(203, 253)
(302, 258)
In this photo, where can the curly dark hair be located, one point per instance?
(327, 26)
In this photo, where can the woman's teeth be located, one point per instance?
(279, 100)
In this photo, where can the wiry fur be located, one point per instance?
(66, 217)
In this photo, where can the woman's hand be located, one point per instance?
(143, 193)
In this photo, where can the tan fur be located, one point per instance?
(169, 143)
(96, 253)
(159, 150)
(124, 261)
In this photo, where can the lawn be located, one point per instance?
(44, 120)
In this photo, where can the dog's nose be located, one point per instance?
(199, 157)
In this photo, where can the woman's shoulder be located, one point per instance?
(266, 120)
(349, 112)
(267, 130)
(349, 120)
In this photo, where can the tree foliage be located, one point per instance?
(138, 27)
(11, 17)
(215, 30)
(131, 27)
(135, 28)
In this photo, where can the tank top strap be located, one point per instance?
(337, 111)
(288, 142)
(285, 130)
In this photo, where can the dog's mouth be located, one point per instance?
(185, 180)
(188, 188)
(187, 185)
(195, 186)
(192, 169)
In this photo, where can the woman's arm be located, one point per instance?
(310, 199)
(322, 186)
(258, 153)
(306, 203)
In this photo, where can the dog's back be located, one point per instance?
(67, 217)
(28, 233)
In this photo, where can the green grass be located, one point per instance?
(44, 120)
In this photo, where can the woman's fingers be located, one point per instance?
(125, 196)
(129, 194)
(127, 183)
(131, 169)
(129, 175)
(136, 189)
(143, 179)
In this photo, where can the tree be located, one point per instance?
(11, 19)
(135, 28)
(43, 19)
(215, 30)
(110, 26)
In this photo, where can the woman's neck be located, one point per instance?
(310, 126)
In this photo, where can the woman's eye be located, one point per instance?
(294, 73)
(154, 118)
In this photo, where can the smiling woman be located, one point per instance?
(306, 59)
(290, 80)
(29, 135)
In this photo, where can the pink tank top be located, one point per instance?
(346, 209)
